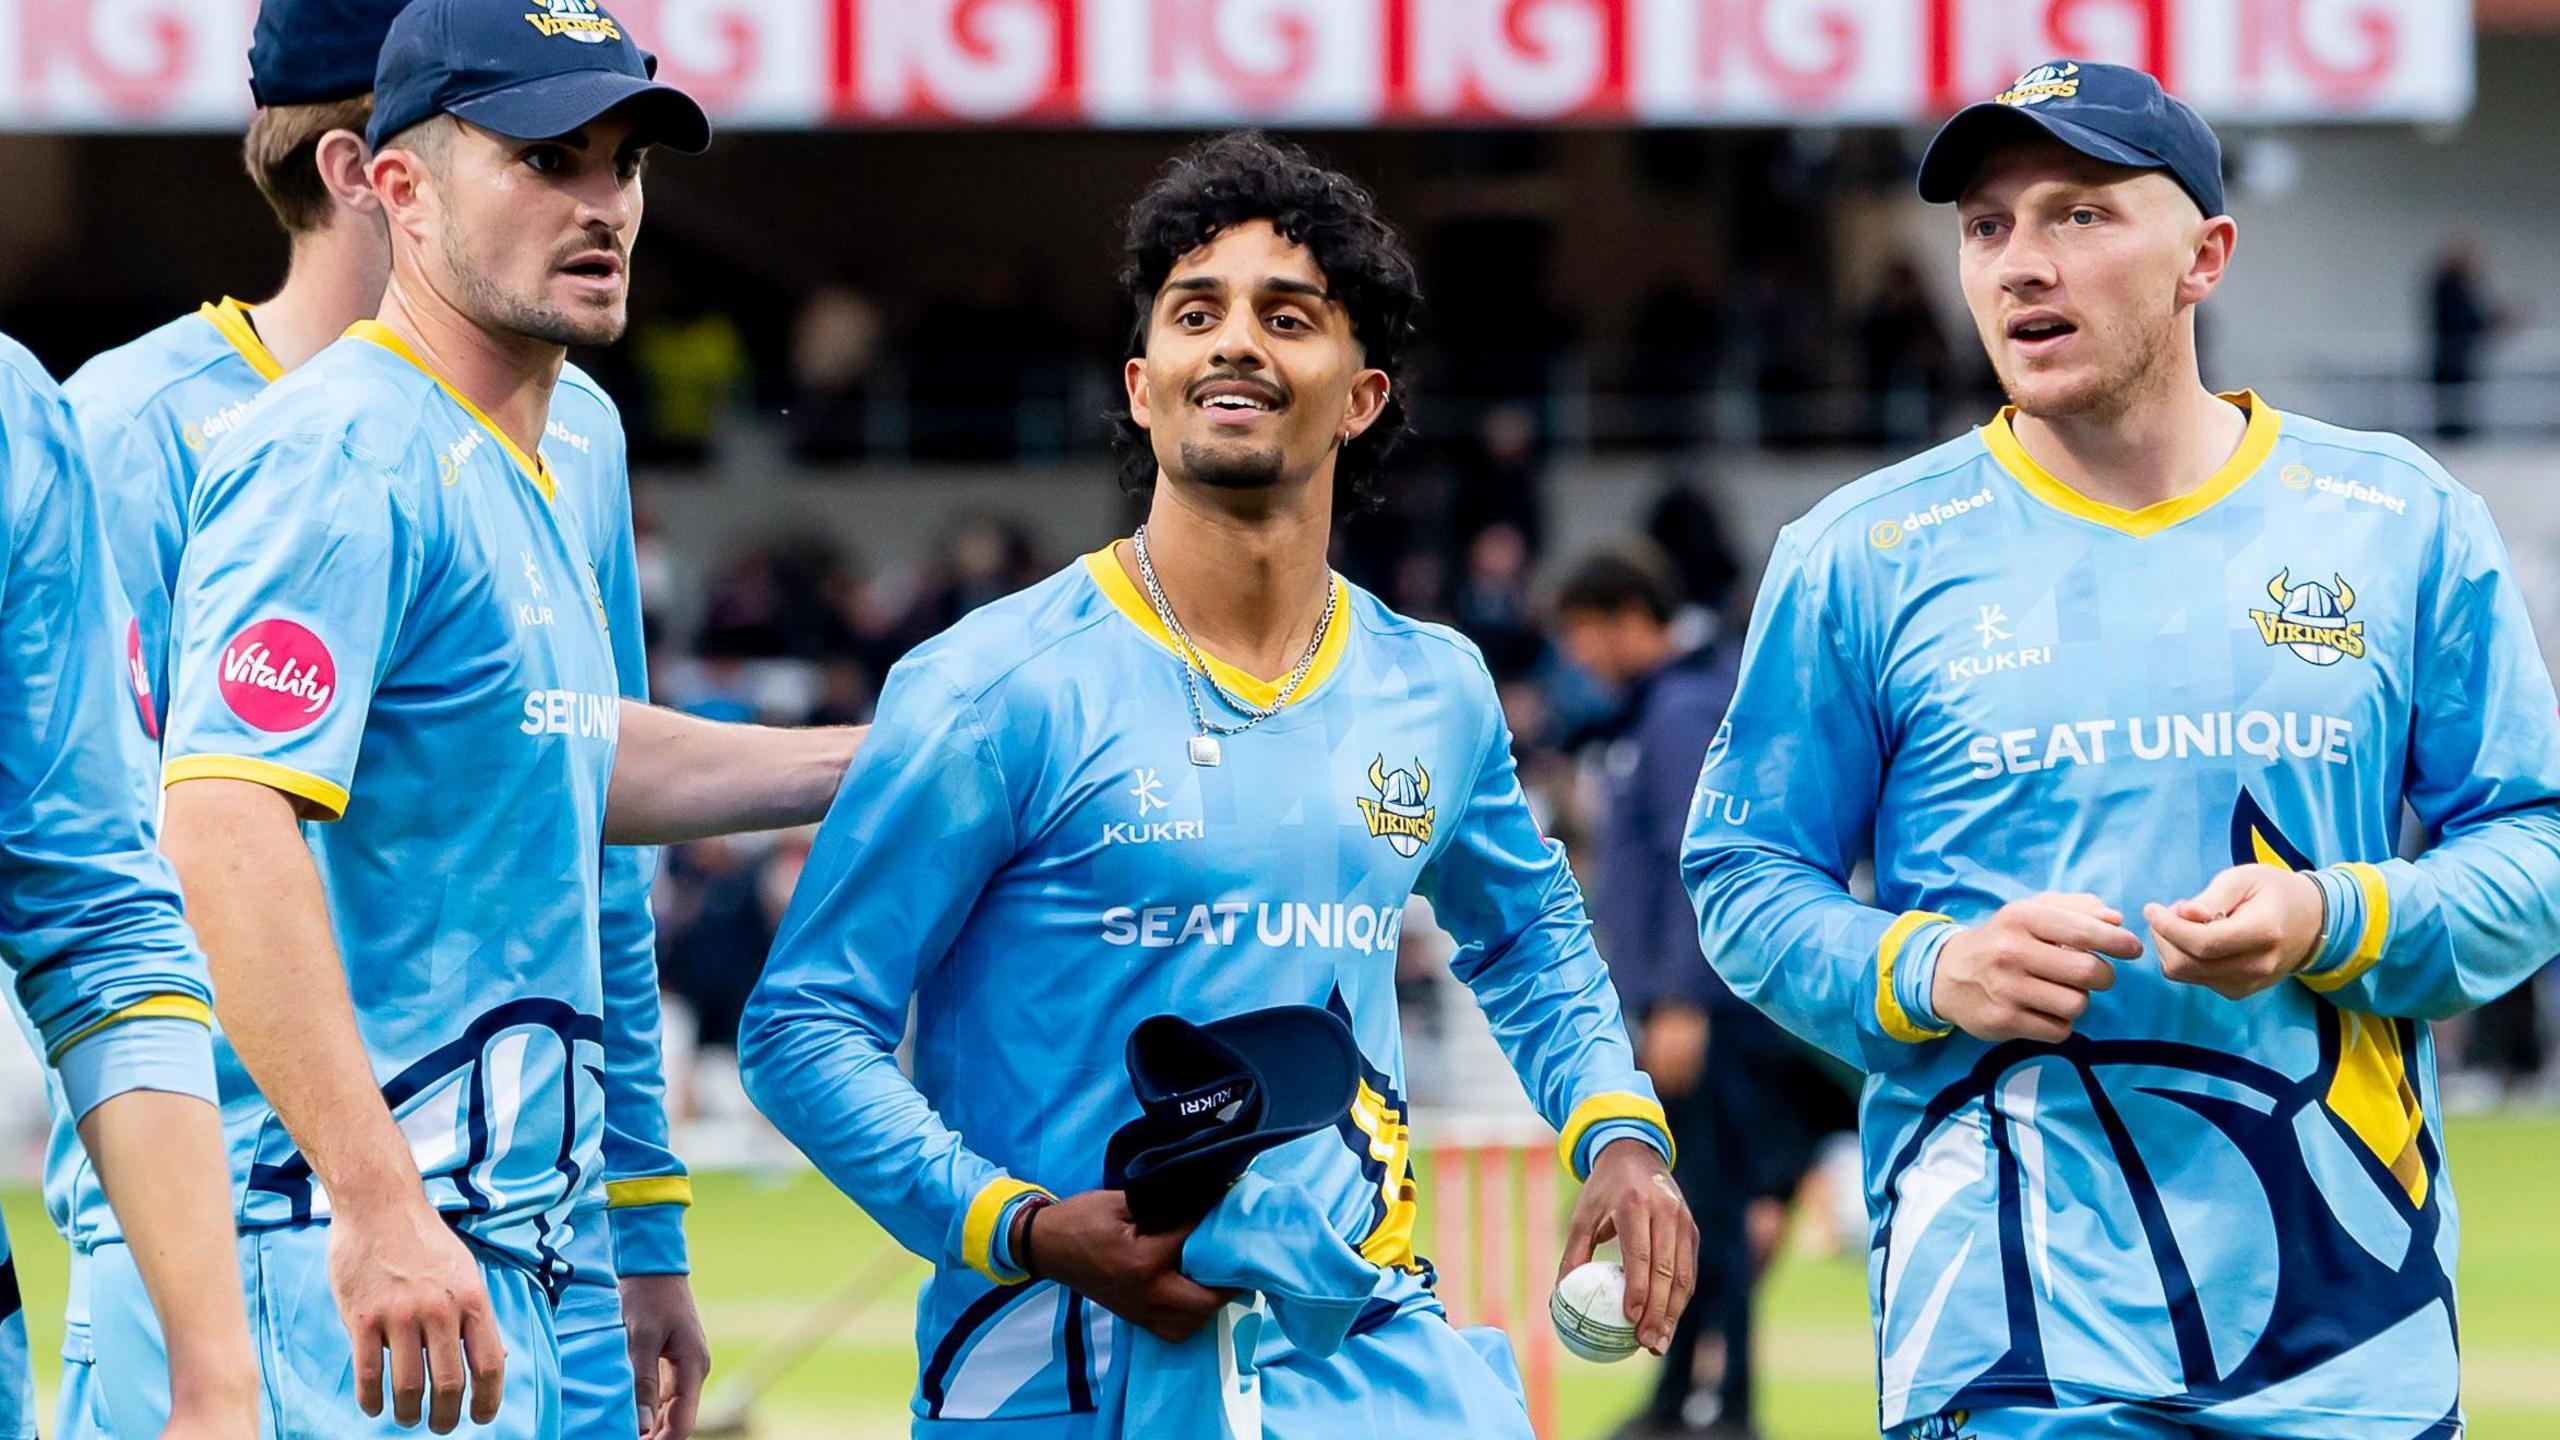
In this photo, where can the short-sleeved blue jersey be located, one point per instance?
(385, 610)
(1024, 851)
(148, 412)
(1995, 687)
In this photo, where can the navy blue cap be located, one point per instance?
(2108, 112)
(1214, 1096)
(527, 69)
(307, 52)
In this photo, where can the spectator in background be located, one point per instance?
(2460, 321)
(1492, 606)
(1903, 359)
(973, 359)
(1692, 535)
(987, 558)
(1790, 342)
(1501, 480)
(1676, 354)
(1614, 618)
(692, 365)
(835, 346)
(1749, 1105)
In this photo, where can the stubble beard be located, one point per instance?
(2116, 391)
(1230, 467)
(492, 307)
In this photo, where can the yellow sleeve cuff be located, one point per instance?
(1897, 1021)
(2377, 929)
(330, 799)
(1610, 1105)
(156, 1007)
(653, 1190)
(978, 1231)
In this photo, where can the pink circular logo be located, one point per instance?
(278, 676)
(140, 675)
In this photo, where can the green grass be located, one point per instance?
(767, 1250)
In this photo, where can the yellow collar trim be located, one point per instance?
(535, 469)
(1124, 595)
(2256, 443)
(231, 317)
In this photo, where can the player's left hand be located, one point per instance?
(669, 1356)
(1632, 1198)
(2252, 927)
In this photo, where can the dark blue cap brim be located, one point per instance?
(1975, 131)
(555, 105)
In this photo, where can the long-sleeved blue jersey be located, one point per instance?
(106, 972)
(149, 411)
(1023, 850)
(1996, 687)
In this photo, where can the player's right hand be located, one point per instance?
(2027, 972)
(408, 1286)
(1090, 1244)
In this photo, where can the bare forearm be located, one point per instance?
(160, 1158)
(677, 777)
(279, 987)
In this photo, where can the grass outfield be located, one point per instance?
(767, 1250)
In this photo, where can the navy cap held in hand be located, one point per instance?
(1214, 1096)
(2108, 112)
(527, 69)
(309, 52)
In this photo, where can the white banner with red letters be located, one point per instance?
(145, 64)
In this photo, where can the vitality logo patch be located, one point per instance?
(2311, 620)
(1400, 814)
(278, 676)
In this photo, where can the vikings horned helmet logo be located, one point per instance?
(2311, 619)
(1401, 813)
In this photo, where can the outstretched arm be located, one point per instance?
(1504, 891)
(677, 777)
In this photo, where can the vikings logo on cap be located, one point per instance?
(580, 20)
(2311, 620)
(2045, 82)
(1401, 814)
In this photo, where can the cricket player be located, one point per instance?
(149, 411)
(1194, 772)
(2124, 693)
(395, 731)
(105, 973)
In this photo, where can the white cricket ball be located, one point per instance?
(1589, 1308)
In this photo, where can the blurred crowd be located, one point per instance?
(1779, 356)
(993, 376)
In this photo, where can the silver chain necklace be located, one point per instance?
(1204, 749)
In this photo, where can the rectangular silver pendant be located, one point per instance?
(1204, 751)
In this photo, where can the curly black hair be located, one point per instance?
(1244, 176)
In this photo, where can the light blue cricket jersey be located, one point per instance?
(148, 413)
(106, 974)
(384, 611)
(1995, 687)
(1024, 849)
